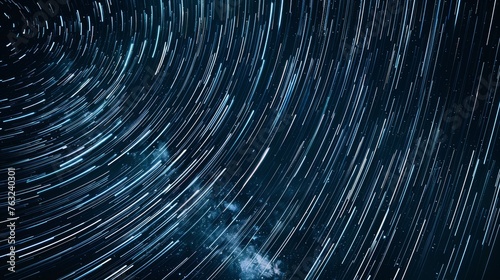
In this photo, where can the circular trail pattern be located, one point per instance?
(251, 139)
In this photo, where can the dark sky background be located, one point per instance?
(243, 139)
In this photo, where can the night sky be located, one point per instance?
(250, 139)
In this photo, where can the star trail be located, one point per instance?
(250, 139)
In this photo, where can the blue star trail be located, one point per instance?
(250, 139)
